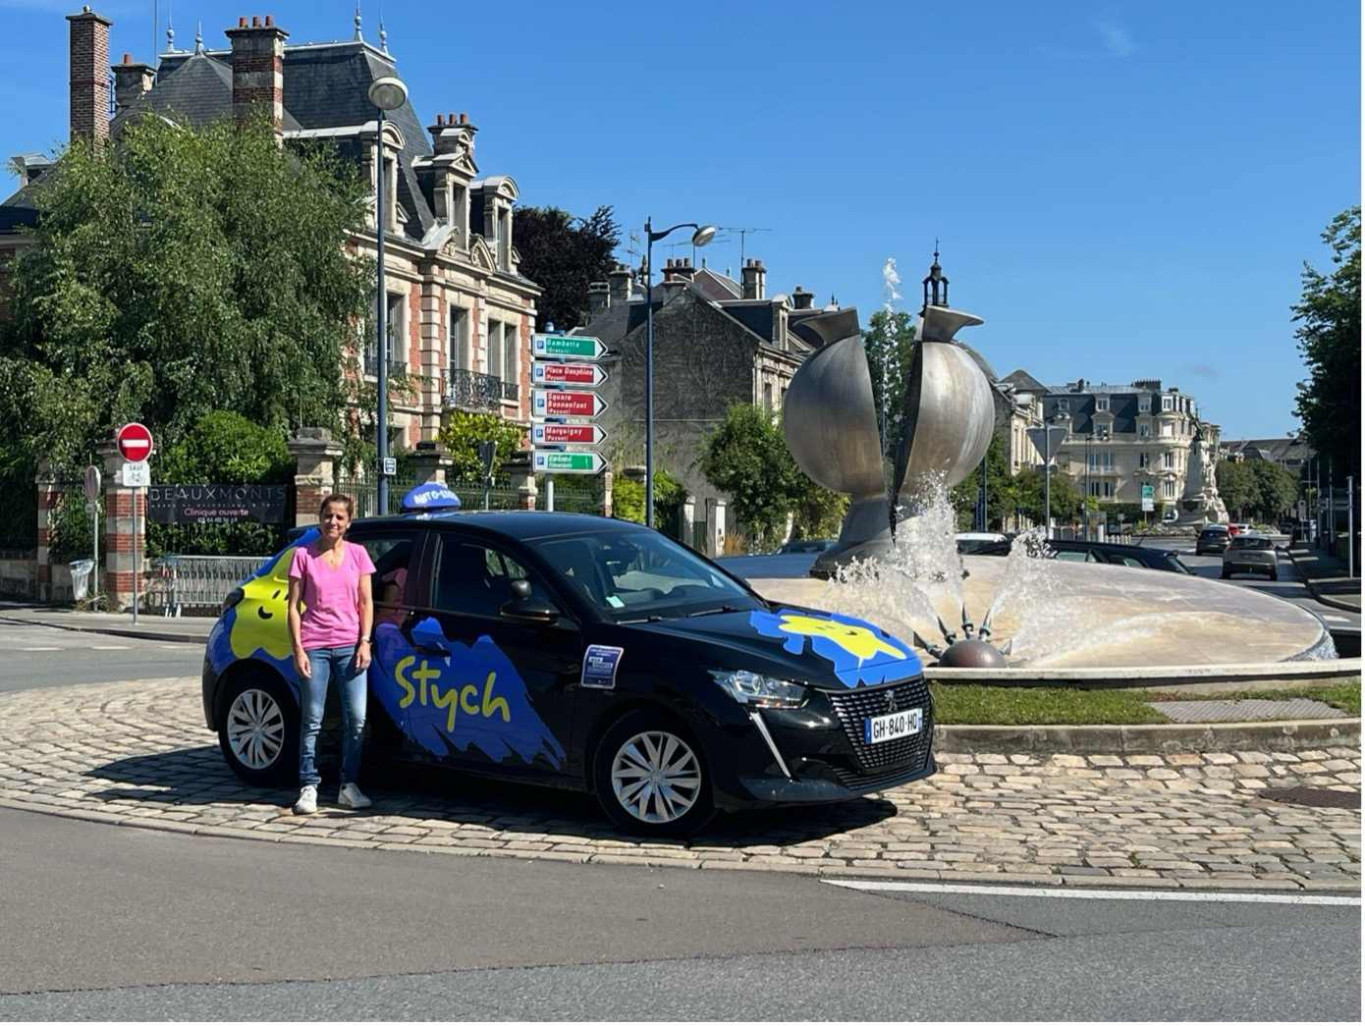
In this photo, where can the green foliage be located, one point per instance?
(178, 272)
(73, 528)
(564, 259)
(1005, 706)
(1329, 339)
(1236, 486)
(1029, 495)
(890, 345)
(747, 458)
(628, 497)
(1256, 488)
(461, 432)
(223, 447)
(818, 512)
(1003, 490)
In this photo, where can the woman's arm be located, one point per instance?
(301, 663)
(364, 648)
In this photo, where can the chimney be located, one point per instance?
(258, 70)
(451, 135)
(619, 282)
(132, 81)
(599, 298)
(754, 279)
(801, 299)
(680, 270)
(89, 79)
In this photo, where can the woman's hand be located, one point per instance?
(302, 665)
(362, 656)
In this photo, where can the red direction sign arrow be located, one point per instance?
(553, 402)
(134, 442)
(587, 375)
(566, 434)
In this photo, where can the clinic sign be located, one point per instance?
(217, 504)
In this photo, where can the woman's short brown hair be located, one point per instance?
(345, 500)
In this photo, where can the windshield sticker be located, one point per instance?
(471, 695)
(862, 654)
(599, 666)
(615, 602)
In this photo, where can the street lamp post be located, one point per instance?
(386, 94)
(700, 237)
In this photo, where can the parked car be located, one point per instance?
(1104, 552)
(1213, 538)
(805, 545)
(1251, 553)
(590, 654)
(1238, 528)
(970, 543)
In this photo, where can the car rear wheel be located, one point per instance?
(1226, 573)
(651, 778)
(259, 731)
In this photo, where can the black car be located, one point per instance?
(1213, 539)
(1104, 552)
(590, 654)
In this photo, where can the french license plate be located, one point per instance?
(905, 723)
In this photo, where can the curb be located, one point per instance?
(146, 634)
(1154, 738)
(1077, 882)
(1326, 600)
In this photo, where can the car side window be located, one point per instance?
(392, 555)
(1077, 557)
(1132, 561)
(473, 579)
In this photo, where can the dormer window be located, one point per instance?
(1145, 404)
(504, 238)
(1102, 404)
(1167, 404)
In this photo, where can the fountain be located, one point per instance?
(896, 560)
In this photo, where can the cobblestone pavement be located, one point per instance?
(138, 754)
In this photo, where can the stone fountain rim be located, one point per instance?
(1142, 677)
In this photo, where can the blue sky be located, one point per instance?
(1121, 190)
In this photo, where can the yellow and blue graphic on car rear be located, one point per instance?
(861, 653)
(447, 696)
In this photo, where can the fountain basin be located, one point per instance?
(1100, 626)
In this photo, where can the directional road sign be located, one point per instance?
(580, 375)
(558, 402)
(567, 347)
(1148, 498)
(552, 461)
(1047, 440)
(134, 442)
(567, 434)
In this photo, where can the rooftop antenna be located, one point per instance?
(743, 233)
(383, 32)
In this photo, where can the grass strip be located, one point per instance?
(1345, 697)
(1015, 706)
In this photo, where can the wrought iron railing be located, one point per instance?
(509, 391)
(471, 390)
(372, 364)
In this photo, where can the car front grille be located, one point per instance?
(886, 759)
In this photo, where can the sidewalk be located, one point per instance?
(193, 630)
(1327, 578)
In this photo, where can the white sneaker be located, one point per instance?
(308, 801)
(351, 797)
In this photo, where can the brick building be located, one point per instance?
(460, 313)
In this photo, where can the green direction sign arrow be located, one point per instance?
(552, 462)
(567, 347)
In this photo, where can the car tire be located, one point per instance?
(1227, 574)
(637, 743)
(259, 730)
(1274, 575)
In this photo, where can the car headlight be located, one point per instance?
(749, 688)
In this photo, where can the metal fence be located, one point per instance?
(177, 583)
(573, 495)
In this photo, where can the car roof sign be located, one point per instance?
(431, 497)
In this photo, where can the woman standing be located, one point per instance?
(331, 638)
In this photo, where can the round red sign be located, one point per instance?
(134, 442)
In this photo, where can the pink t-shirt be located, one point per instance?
(331, 598)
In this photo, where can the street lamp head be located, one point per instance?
(703, 235)
(388, 93)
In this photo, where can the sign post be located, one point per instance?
(136, 446)
(1047, 440)
(564, 406)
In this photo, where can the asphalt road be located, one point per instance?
(116, 923)
(37, 657)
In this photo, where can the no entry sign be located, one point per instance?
(134, 442)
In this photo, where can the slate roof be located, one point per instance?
(1023, 381)
(1277, 450)
(715, 286)
(195, 91)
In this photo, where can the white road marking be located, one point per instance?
(40, 648)
(1069, 892)
(110, 648)
(1336, 619)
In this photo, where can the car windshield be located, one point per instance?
(640, 575)
(1245, 541)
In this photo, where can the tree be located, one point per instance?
(1329, 339)
(177, 272)
(564, 259)
(1237, 487)
(1029, 495)
(747, 458)
(461, 433)
(1002, 489)
(890, 344)
(628, 497)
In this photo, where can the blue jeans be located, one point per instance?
(326, 664)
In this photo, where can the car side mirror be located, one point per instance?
(526, 606)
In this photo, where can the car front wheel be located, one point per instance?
(650, 777)
(259, 731)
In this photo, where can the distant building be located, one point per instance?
(717, 342)
(460, 312)
(1121, 437)
(1290, 452)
